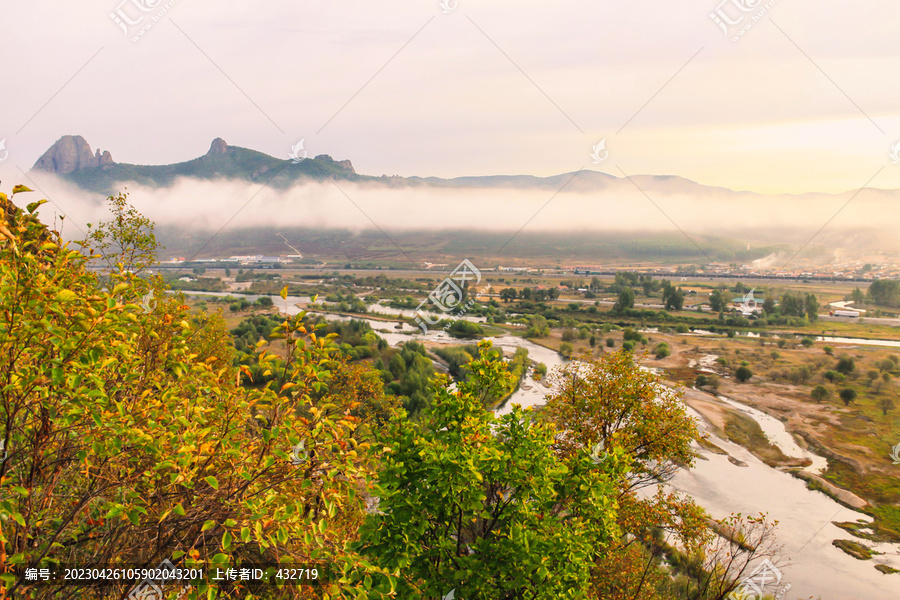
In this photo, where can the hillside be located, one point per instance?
(70, 158)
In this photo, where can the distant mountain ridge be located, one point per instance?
(70, 157)
(603, 197)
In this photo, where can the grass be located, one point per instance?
(854, 549)
(746, 432)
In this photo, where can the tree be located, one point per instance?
(128, 436)
(885, 403)
(625, 300)
(743, 374)
(127, 243)
(845, 365)
(508, 294)
(537, 327)
(792, 306)
(673, 298)
(717, 301)
(768, 305)
(610, 402)
(885, 292)
(485, 505)
(833, 376)
(819, 393)
(848, 395)
(812, 307)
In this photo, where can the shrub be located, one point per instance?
(743, 374)
(848, 395)
(845, 365)
(775, 355)
(681, 328)
(807, 342)
(701, 380)
(828, 350)
(722, 361)
(628, 346)
(819, 393)
(630, 335)
(264, 302)
(662, 350)
(833, 376)
(566, 349)
(610, 343)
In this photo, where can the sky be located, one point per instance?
(805, 100)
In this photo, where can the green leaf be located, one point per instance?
(66, 295)
(208, 525)
(33, 206)
(179, 509)
(226, 540)
(19, 189)
(245, 534)
(284, 294)
(115, 511)
(212, 481)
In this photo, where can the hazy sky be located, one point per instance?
(806, 100)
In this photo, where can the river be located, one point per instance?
(815, 567)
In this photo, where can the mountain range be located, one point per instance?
(591, 201)
(71, 158)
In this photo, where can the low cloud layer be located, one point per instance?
(659, 205)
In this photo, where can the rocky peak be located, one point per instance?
(346, 165)
(218, 146)
(72, 153)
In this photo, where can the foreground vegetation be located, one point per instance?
(135, 431)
